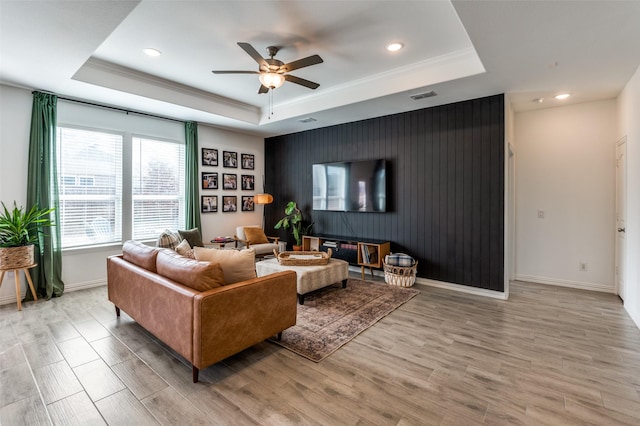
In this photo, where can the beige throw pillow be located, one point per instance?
(255, 235)
(237, 265)
(185, 249)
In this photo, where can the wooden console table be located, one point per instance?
(363, 253)
(16, 274)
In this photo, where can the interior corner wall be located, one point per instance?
(565, 162)
(445, 188)
(629, 126)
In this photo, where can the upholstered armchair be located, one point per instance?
(253, 236)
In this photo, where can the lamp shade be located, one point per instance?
(271, 80)
(263, 199)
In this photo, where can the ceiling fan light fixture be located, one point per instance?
(271, 80)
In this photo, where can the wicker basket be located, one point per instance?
(303, 258)
(16, 257)
(401, 276)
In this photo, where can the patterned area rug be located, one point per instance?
(332, 316)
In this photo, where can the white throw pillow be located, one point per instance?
(185, 249)
(237, 265)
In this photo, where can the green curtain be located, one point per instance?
(191, 196)
(42, 190)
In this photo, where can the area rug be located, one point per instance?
(332, 316)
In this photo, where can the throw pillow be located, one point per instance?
(185, 249)
(200, 276)
(140, 254)
(255, 235)
(193, 236)
(238, 265)
(168, 239)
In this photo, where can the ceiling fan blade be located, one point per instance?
(301, 63)
(235, 72)
(301, 81)
(263, 89)
(254, 54)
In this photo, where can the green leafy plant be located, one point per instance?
(19, 227)
(293, 220)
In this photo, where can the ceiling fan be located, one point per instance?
(273, 72)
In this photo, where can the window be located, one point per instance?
(158, 187)
(94, 197)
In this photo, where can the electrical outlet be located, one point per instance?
(540, 214)
(583, 266)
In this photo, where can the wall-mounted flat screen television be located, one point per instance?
(350, 186)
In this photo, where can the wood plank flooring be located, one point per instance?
(548, 355)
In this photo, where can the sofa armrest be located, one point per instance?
(232, 318)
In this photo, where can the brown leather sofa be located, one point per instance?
(185, 303)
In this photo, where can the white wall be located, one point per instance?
(565, 164)
(87, 268)
(629, 125)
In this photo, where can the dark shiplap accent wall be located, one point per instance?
(445, 188)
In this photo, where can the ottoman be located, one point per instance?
(310, 277)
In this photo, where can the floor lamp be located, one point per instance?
(263, 199)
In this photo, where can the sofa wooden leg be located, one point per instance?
(301, 299)
(344, 283)
(117, 311)
(279, 336)
(195, 372)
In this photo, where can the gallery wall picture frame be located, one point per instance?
(247, 161)
(229, 181)
(247, 182)
(209, 180)
(247, 203)
(209, 203)
(230, 159)
(209, 157)
(229, 203)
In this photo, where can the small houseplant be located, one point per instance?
(293, 220)
(19, 231)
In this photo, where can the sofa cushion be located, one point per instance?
(185, 249)
(238, 265)
(255, 235)
(200, 276)
(168, 239)
(193, 236)
(140, 254)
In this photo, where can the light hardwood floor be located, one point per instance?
(546, 356)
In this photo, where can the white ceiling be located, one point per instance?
(92, 50)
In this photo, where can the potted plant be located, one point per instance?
(293, 220)
(19, 231)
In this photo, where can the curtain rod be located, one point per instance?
(119, 109)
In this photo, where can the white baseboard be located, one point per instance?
(463, 288)
(11, 297)
(604, 288)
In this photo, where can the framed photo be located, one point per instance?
(209, 157)
(247, 161)
(209, 180)
(248, 182)
(229, 181)
(230, 159)
(209, 203)
(247, 203)
(229, 203)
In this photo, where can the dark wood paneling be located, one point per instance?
(445, 187)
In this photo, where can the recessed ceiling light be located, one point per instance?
(394, 47)
(562, 96)
(151, 52)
